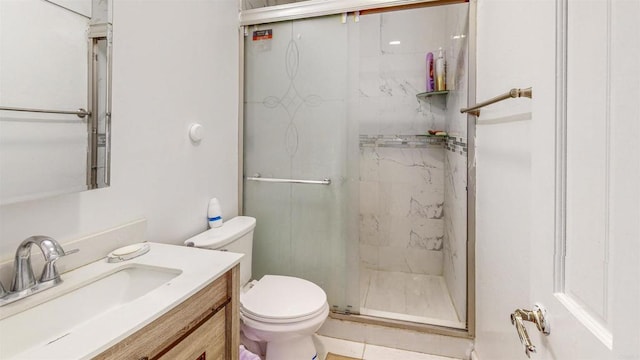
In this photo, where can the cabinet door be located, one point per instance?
(207, 342)
(164, 332)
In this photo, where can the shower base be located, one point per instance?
(402, 296)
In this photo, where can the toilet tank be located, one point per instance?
(235, 235)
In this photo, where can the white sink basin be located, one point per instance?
(57, 317)
(101, 303)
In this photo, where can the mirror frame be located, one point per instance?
(97, 33)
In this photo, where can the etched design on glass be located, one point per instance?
(291, 100)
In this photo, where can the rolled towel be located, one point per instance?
(247, 355)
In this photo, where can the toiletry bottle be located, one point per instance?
(430, 73)
(440, 72)
(214, 213)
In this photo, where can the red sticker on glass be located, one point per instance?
(263, 34)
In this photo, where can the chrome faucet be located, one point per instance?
(24, 282)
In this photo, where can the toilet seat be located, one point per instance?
(268, 320)
(283, 299)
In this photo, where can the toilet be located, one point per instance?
(278, 314)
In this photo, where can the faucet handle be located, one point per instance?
(69, 252)
(49, 271)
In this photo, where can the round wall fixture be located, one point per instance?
(196, 132)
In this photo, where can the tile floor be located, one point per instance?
(411, 297)
(367, 351)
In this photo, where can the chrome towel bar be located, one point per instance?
(258, 177)
(513, 93)
(81, 113)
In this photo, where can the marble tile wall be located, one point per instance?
(401, 204)
(401, 185)
(391, 63)
(413, 198)
(407, 194)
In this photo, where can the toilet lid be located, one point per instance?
(283, 297)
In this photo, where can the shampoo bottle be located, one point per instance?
(430, 73)
(214, 213)
(440, 72)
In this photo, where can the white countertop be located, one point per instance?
(197, 268)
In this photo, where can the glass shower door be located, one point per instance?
(296, 128)
(331, 100)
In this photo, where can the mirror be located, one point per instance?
(54, 97)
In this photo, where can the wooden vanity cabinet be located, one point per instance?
(203, 327)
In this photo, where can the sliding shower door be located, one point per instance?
(344, 101)
(296, 128)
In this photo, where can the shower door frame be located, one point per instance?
(315, 8)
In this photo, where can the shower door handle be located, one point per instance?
(258, 177)
(536, 316)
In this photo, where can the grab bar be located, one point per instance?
(513, 93)
(258, 177)
(81, 113)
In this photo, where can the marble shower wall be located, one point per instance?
(402, 203)
(390, 74)
(412, 187)
(401, 170)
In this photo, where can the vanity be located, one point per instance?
(173, 302)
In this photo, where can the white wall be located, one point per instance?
(515, 50)
(175, 62)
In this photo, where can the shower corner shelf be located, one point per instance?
(434, 98)
(425, 95)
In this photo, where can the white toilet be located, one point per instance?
(279, 312)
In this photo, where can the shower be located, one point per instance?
(357, 177)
